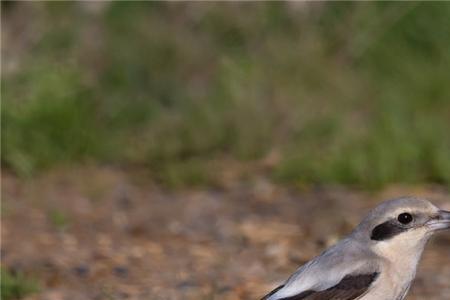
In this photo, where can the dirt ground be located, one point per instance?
(103, 233)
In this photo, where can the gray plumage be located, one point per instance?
(377, 261)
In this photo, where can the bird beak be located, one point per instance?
(441, 221)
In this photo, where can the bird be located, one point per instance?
(376, 261)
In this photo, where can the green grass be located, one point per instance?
(59, 219)
(16, 286)
(48, 123)
(351, 93)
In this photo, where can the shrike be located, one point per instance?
(377, 261)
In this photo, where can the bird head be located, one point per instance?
(401, 226)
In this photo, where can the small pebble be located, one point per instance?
(81, 270)
(121, 271)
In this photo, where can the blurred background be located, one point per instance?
(155, 150)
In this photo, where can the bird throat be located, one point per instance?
(403, 251)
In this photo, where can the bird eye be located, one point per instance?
(405, 218)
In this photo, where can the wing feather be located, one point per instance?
(345, 271)
(349, 288)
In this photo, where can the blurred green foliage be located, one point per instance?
(353, 93)
(59, 219)
(16, 286)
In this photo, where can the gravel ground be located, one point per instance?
(102, 233)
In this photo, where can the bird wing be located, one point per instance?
(344, 272)
(349, 288)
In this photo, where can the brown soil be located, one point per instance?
(101, 233)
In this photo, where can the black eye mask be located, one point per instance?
(387, 230)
